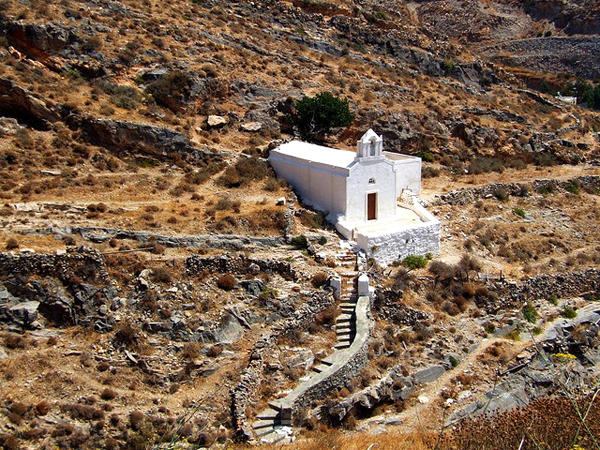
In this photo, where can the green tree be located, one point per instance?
(316, 116)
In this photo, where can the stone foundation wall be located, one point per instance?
(415, 240)
(244, 395)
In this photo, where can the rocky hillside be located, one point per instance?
(159, 285)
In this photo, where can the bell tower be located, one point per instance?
(369, 146)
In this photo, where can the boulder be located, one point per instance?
(253, 287)
(215, 121)
(24, 313)
(251, 126)
(429, 374)
(229, 331)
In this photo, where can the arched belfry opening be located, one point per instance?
(369, 146)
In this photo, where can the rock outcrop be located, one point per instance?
(20, 104)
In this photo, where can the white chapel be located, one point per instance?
(369, 195)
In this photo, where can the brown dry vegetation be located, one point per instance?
(131, 386)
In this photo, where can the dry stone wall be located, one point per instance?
(195, 264)
(562, 285)
(590, 183)
(63, 266)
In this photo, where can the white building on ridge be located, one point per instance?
(368, 195)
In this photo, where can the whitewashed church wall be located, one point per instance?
(318, 185)
(382, 173)
(408, 174)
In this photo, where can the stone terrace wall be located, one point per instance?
(569, 284)
(219, 241)
(244, 395)
(84, 264)
(590, 183)
(195, 264)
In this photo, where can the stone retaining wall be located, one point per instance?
(195, 264)
(590, 183)
(217, 241)
(84, 264)
(244, 395)
(562, 285)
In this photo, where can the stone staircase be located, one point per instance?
(274, 424)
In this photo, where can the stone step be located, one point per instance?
(347, 305)
(344, 340)
(275, 406)
(268, 414)
(259, 424)
(342, 346)
(347, 309)
(275, 438)
(344, 332)
(342, 318)
(319, 369)
(326, 363)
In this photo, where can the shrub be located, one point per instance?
(12, 244)
(316, 116)
(413, 262)
(171, 89)
(191, 350)
(227, 282)
(108, 394)
(42, 408)
(514, 335)
(519, 212)
(299, 242)
(484, 165)
(214, 351)
(161, 275)
(568, 312)
(126, 334)
(572, 188)
(136, 419)
(530, 313)
(319, 279)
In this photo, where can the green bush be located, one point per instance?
(519, 212)
(413, 262)
(530, 313)
(299, 242)
(568, 313)
(572, 188)
(425, 156)
(316, 116)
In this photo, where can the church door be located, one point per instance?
(372, 206)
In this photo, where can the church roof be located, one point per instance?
(317, 153)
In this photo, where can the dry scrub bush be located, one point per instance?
(550, 423)
(319, 279)
(227, 282)
(190, 351)
(12, 244)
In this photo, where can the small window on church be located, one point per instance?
(371, 180)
